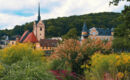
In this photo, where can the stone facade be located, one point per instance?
(94, 34)
(97, 33)
(39, 30)
(12, 42)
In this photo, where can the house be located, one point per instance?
(4, 42)
(97, 33)
(48, 45)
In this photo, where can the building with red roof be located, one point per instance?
(31, 38)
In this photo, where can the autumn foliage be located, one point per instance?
(76, 53)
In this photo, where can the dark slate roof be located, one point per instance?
(112, 29)
(48, 42)
(39, 17)
(37, 22)
(103, 32)
(84, 28)
(13, 37)
(2, 42)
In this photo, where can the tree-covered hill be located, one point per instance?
(61, 25)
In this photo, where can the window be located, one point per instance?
(12, 42)
(40, 29)
(94, 33)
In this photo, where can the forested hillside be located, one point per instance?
(61, 25)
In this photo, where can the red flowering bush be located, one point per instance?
(73, 53)
(64, 75)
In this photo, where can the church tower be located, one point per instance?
(84, 33)
(39, 27)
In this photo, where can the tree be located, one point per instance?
(115, 2)
(72, 33)
(122, 32)
(63, 24)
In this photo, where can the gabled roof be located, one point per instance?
(31, 38)
(48, 42)
(24, 36)
(103, 32)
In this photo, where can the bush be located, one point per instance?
(112, 66)
(74, 54)
(15, 53)
(23, 62)
(26, 70)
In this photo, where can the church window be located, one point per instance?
(12, 42)
(94, 33)
(40, 29)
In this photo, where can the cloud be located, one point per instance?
(15, 12)
(9, 21)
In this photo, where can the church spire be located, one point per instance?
(39, 17)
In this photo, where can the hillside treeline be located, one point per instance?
(61, 25)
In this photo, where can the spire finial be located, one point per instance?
(39, 17)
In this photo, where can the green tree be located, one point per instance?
(122, 32)
(72, 33)
(62, 25)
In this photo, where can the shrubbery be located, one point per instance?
(22, 62)
(71, 60)
(113, 66)
(72, 54)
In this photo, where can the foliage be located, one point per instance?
(15, 53)
(61, 65)
(27, 70)
(71, 34)
(64, 75)
(115, 2)
(121, 44)
(23, 62)
(122, 32)
(113, 66)
(73, 54)
(61, 26)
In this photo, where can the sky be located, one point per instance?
(18, 12)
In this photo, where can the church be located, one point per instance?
(37, 36)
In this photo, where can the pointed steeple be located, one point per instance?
(39, 17)
(84, 27)
(84, 33)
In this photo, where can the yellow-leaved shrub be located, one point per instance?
(115, 66)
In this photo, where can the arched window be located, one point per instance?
(40, 29)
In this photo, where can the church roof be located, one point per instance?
(31, 38)
(103, 32)
(25, 34)
(39, 16)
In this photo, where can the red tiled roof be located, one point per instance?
(25, 34)
(31, 38)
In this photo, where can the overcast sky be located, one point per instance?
(17, 12)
